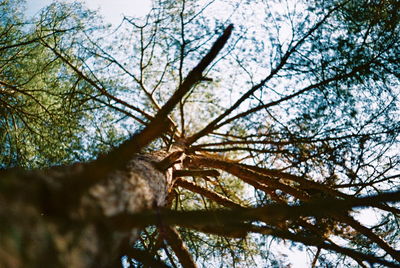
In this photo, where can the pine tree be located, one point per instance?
(199, 134)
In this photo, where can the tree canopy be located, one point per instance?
(272, 123)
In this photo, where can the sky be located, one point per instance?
(111, 10)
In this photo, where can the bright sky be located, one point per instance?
(111, 10)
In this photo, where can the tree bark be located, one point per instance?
(44, 223)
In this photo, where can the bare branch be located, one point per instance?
(178, 246)
(222, 200)
(196, 173)
(213, 124)
(248, 175)
(118, 158)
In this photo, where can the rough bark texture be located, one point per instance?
(141, 186)
(33, 236)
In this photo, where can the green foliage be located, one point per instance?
(45, 105)
(313, 87)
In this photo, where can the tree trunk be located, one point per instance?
(44, 223)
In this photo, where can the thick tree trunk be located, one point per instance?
(43, 225)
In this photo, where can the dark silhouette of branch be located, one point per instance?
(237, 221)
(212, 125)
(318, 242)
(370, 235)
(248, 175)
(77, 180)
(178, 246)
(37, 39)
(318, 207)
(196, 173)
(159, 123)
(306, 89)
(222, 200)
(145, 258)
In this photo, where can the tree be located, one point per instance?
(39, 92)
(308, 138)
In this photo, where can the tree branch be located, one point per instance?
(178, 246)
(196, 173)
(222, 200)
(248, 175)
(319, 207)
(212, 125)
